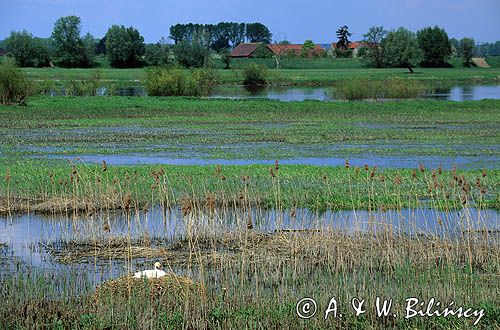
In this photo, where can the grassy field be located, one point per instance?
(299, 77)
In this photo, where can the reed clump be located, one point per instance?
(88, 86)
(366, 89)
(163, 81)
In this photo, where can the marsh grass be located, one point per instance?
(365, 89)
(252, 279)
(255, 75)
(260, 278)
(87, 188)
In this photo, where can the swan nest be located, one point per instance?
(170, 286)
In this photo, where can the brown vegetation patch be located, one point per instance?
(337, 249)
(54, 205)
(170, 285)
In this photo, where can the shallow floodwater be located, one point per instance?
(23, 237)
(446, 162)
(287, 94)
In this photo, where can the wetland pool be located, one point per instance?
(457, 93)
(25, 239)
(410, 161)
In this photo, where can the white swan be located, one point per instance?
(151, 273)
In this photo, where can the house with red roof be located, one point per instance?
(354, 46)
(247, 50)
(296, 50)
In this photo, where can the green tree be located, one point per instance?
(191, 54)
(220, 35)
(90, 46)
(494, 49)
(27, 50)
(124, 47)
(236, 33)
(435, 46)
(306, 47)
(177, 32)
(455, 47)
(225, 56)
(467, 50)
(101, 46)
(373, 50)
(258, 32)
(69, 48)
(401, 49)
(158, 54)
(262, 51)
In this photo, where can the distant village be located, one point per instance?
(257, 49)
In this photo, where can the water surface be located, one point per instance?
(410, 161)
(24, 236)
(288, 94)
(458, 93)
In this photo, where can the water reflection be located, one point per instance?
(406, 161)
(25, 235)
(465, 93)
(290, 94)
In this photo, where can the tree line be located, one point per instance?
(221, 35)
(428, 47)
(124, 47)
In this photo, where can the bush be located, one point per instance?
(206, 80)
(226, 58)
(163, 81)
(255, 75)
(343, 53)
(14, 86)
(394, 88)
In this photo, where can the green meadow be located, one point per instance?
(316, 72)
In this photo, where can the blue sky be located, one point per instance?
(294, 20)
